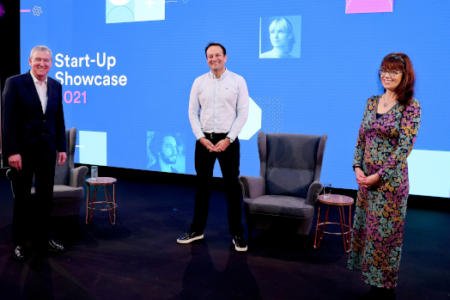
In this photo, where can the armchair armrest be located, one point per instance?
(9, 174)
(252, 187)
(313, 192)
(77, 176)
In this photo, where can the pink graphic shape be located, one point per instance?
(25, 10)
(368, 6)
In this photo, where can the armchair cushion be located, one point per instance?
(279, 205)
(291, 162)
(289, 182)
(66, 192)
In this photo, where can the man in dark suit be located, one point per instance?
(33, 139)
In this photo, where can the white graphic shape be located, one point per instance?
(253, 123)
(428, 173)
(93, 147)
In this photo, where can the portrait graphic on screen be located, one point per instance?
(165, 152)
(281, 38)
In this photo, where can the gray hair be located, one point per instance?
(41, 48)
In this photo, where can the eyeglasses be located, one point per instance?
(391, 73)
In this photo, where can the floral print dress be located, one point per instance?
(382, 147)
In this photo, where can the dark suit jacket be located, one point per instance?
(24, 125)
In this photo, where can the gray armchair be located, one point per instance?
(68, 189)
(288, 185)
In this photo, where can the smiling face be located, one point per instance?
(392, 72)
(40, 62)
(390, 79)
(216, 59)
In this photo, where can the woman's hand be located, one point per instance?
(372, 180)
(360, 176)
(366, 181)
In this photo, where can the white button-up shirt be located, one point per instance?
(218, 105)
(41, 87)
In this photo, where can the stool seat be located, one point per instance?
(101, 180)
(335, 199)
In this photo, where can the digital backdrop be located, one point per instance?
(127, 67)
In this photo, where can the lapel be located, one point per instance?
(50, 92)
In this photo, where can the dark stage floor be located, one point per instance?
(139, 259)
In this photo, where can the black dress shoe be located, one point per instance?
(55, 247)
(19, 253)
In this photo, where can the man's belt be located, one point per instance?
(215, 136)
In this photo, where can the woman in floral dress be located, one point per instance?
(386, 137)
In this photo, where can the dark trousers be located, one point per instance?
(204, 166)
(31, 215)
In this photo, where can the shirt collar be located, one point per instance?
(224, 74)
(35, 80)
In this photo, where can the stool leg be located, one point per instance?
(316, 241)
(87, 203)
(321, 228)
(114, 203)
(108, 202)
(342, 225)
(92, 206)
(349, 229)
(324, 224)
(345, 227)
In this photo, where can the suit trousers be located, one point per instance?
(229, 165)
(31, 215)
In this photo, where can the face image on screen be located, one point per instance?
(165, 152)
(280, 37)
(127, 68)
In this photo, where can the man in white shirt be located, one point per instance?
(218, 109)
